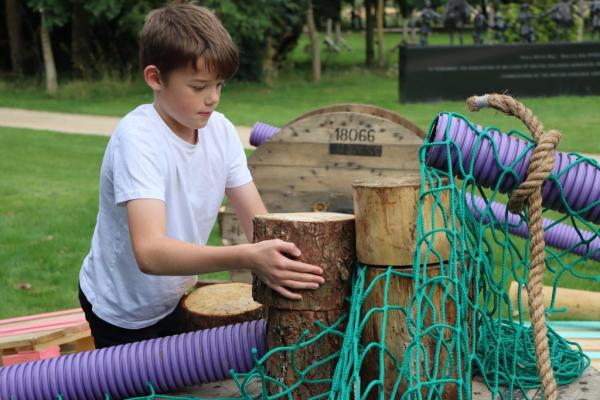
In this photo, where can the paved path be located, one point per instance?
(75, 123)
(90, 124)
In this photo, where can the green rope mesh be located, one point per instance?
(475, 334)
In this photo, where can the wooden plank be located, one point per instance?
(313, 179)
(327, 128)
(38, 317)
(297, 201)
(366, 109)
(35, 340)
(40, 326)
(275, 153)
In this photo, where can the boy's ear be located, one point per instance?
(152, 77)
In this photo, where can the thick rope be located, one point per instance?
(540, 166)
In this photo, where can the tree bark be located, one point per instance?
(49, 65)
(314, 43)
(369, 13)
(15, 35)
(285, 328)
(380, 37)
(80, 39)
(325, 240)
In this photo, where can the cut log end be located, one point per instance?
(221, 304)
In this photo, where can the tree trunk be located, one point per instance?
(581, 26)
(326, 240)
(369, 14)
(380, 37)
(436, 330)
(314, 43)
(284, 328)
(80, 39)
(49, 66)
(15, 36)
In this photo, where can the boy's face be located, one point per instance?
(187, 98)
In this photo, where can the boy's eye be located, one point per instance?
(198, 88)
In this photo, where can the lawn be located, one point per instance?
(49, 185)
(48, 206)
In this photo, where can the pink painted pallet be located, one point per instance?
(40, 336)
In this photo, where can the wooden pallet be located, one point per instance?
(41, 336)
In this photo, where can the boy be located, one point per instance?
(162, 181)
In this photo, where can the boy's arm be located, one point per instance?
(157, 254)
(247, 203)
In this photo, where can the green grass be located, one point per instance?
(344, 80)
(49, 185)
(48, 206)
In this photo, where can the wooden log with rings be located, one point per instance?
(220, 304)
(326, 240)
(386, 213)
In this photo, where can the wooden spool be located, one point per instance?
(326, 240)
(220, 304)
(386, 211)
(310, 164)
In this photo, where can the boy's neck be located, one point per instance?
(186, 134)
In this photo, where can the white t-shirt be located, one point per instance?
(144, 159)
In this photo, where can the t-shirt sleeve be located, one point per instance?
(139, 169)
(238, 173)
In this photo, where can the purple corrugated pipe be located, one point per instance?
(580, 181)
(168, 363)
(261, 133)
(560, 236)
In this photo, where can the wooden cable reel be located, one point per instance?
(310, 164)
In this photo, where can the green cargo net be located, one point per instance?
(459, 321)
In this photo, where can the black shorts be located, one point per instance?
(106, 334)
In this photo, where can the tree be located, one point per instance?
(15, 35)
(370, 17)
(53, 13)
(314, 42)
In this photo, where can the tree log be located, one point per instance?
(399, 334)
(220, 304)
(325, 240)
(386, 213)
(284, 328)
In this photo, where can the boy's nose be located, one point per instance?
(213, 96)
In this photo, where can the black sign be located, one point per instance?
(457, 72)
(368, 150)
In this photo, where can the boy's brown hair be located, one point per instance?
(181, 34)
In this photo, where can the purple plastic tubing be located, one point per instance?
(559, 236)
(261, 133)
(580, 181)
(168, 363)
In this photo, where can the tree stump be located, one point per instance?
(220, 304)
(438, 310)
(386, 213)
(326, 240)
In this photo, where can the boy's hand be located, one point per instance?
(273, 262)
